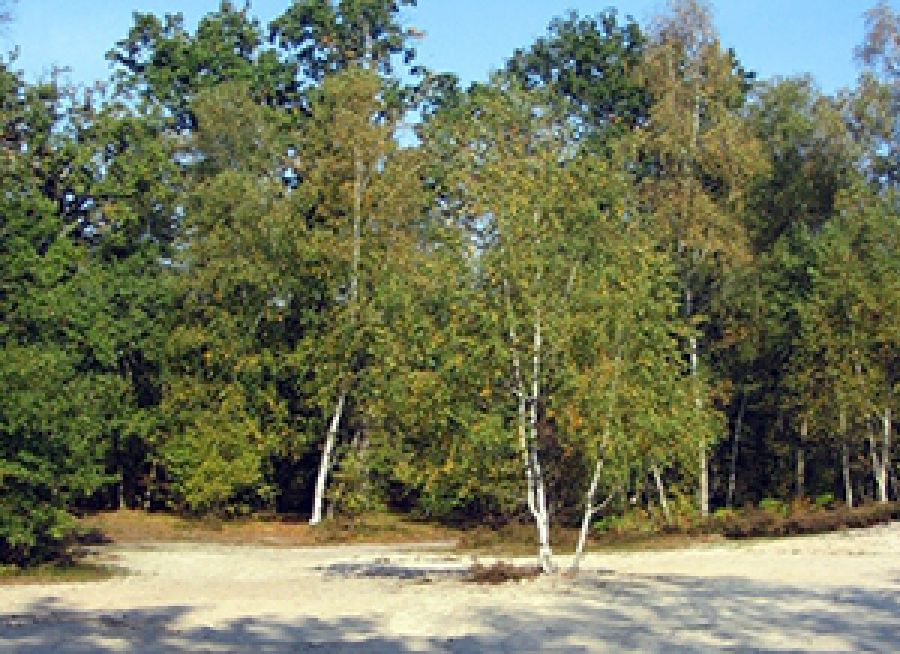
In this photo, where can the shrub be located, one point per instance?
(773, 505)
(501, 572)
(825, 501)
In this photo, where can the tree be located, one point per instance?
(359, 195)
(874, 107)
(701, 159)
(160, 62)
(755, 313)
(592, 62)
(58, 401)
(850, 341)
(239, 277)
(579, 298)
(327, 37)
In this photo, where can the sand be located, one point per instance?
(833, 593)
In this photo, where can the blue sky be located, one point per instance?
(469, 37)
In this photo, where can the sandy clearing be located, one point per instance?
(839, 592)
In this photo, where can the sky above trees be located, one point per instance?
(470, 37)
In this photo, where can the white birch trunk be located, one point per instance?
(663, 502)
(801, 459)
(589, 508)
(732, 475)
(325, 462)
(877, 469)
(885, 462)
(704, 464)
(845, 462)
(545, 554)
(695, 364)
(522, 408)
(589, 511)
(331, 437)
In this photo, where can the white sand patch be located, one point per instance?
(839, 592)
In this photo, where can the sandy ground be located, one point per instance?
(835, 593)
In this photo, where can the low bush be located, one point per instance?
(501, 572)
(770, 518)
(772, 505)
(754, 523)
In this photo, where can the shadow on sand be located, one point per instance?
(596, 613)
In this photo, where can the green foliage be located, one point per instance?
(327, 37)
(590, 61)
(602, 261)
(825, 501)
(59, 402)
(773, 505)
(165, 65)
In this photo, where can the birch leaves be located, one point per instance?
(581, 293)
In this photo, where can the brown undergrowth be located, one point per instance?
(501, 572)
(512, 539)
(131, 526)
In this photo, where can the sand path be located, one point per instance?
(834, 593)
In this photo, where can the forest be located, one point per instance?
(284, 269)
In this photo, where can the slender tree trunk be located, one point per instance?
(845, 464)
(543, 515)
(695, 363)
(589, 508)
(663, 502)
(120, 489)
(331, 437)
(732, 475)
(801, 459)
(704, 463)
(589, 511)
(845, 461)
(325, 461)
(877, 469)
(885, 462)
(522, 404)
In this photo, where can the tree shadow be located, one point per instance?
(594, 613)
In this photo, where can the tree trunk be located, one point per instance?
(589, 511)
(801, 460)
(704, 463)
(695, 362)
(325, 462)
(845, 461)
(885, 462)
(545, 554)
(359, 183)
(877, 468)
(522, 405)
(663, 502)
(589, 508)
(732, 475)
(845, 464)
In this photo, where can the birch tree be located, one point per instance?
(700, 160)
(355, 201)
(850, 340)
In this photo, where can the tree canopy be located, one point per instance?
(621, 275)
